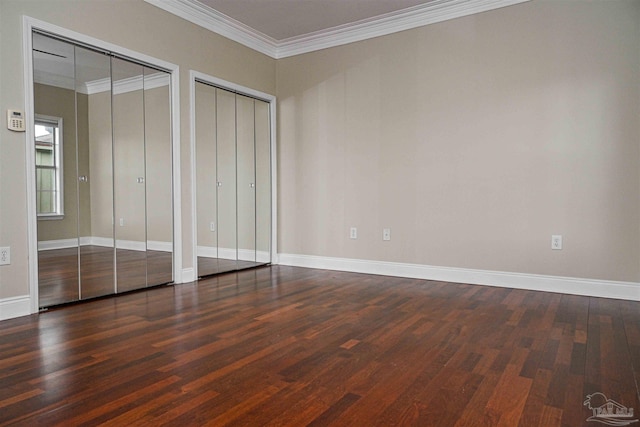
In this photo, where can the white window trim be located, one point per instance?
(57, 121)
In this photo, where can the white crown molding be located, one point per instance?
(534, 282)
(413, 17)
(406, 19)
(206, 17)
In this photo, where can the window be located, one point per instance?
(49, 185)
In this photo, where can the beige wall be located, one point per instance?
(474, 140)
(132, 24)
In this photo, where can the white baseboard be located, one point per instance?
(188, 275)
(15, 307)
(534, 282)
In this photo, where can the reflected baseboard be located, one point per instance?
(48, 245)
(107, 242)
(155, 245)
(230, 253)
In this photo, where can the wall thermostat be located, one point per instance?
(15, 120)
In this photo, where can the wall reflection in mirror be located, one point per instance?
(233, 180)
(103, 173)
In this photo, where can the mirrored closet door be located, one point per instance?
(103, 172)
(233, 180)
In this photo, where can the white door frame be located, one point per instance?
(233, 87)
(30, 24)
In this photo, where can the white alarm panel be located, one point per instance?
(15, 120)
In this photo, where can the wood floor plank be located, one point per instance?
(285, 346)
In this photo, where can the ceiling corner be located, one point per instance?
(413, 17)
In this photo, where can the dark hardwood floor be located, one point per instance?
(284, 346)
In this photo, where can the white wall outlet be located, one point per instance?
(353, 233)
(556, 242)
(386, 234)
(121, 222)
(212, 226)
(5, 255)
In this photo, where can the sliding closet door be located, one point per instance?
(206, 178)
(104, 178)
(226, 179)
(95, 173)
(56, 170)
(263, 181)
(246, 173)
(129, 175)
(159, 209)
(233, 180)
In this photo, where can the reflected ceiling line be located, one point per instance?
(55, 67)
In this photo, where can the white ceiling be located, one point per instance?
(282, 28)
(283, 19)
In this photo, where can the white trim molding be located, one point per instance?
(534, 282)
(219, 23)
(188, 275)
(15, 307)
(405, 19)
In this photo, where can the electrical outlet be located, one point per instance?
(212, 226)
(121, 222)
(556, 242)
(5, 255)
(353, 233)
(386, 234)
